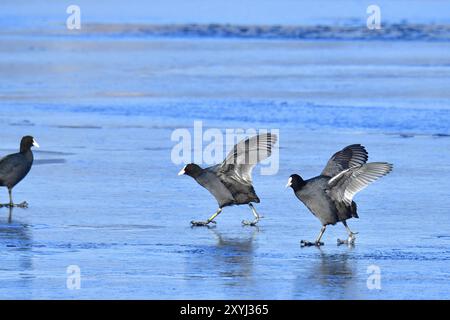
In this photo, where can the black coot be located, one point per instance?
(14, 167)
(231, 181)
(330, 196)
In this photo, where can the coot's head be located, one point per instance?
(27, 142)
(296, 182)
(191, 169)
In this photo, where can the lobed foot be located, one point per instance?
(22, 205)
(250, 223)
(349, 241)
(12, 205)
(201, 223)
(305, 243)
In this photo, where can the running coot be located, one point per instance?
(230, 182)
(14, 167)
(330, 196)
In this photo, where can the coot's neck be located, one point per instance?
(196, 173)
(298, 184)
(26, 151)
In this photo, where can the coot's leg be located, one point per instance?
(12, 204)
(10, 215)
(318, 243)
(351, 236)
(210, 220)
(254, 222)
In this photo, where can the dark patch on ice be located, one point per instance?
(15, 235)
(113, 149)
(407, 255)
(117, 226)
(443, 236)
(389, 120)
(41, 226)
(23, 123)
(396, 31)
(168, 127)
(49, 161)
(41, 152)
(54, 152)
(406, 135)
(157, 148)
(10, 227)
(77, 246)
(78, 127)
(129, 127)
(441, 135)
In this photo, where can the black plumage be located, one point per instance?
(14, 167)
(230, 182)
(330, 196)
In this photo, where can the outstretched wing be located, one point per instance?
(346, 184)
(350, 156)
(240, 162)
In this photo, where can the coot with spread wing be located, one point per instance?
(230, 182)
(330, 196)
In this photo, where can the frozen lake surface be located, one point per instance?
(104, 194)
(111, 203)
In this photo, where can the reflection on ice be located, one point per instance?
(16, 240)
(229, 259)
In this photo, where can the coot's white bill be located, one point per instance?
(289, 183)
(35, 144)
(182, 171)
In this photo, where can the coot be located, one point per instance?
(330, 196)
(14, 167)
(230, 182)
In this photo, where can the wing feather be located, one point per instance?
(350, 156)
(349, 182)
(239, 163)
